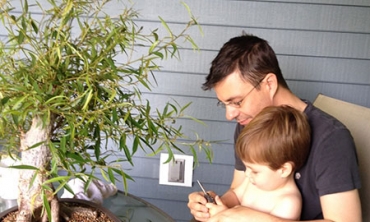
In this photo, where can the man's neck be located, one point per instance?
(286, 97)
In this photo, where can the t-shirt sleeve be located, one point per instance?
(239, 165)
(337, 168)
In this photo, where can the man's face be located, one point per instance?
(242, 100)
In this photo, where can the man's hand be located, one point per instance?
(197, 205)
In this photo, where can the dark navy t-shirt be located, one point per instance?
(332, 164)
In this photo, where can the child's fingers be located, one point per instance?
(218, 200)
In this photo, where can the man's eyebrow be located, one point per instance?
(229, 99)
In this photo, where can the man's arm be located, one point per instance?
(338, 207)
(229, 198)
(238, 179)
(344, 206)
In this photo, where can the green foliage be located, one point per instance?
(80, 70)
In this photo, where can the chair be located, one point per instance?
(357, 119)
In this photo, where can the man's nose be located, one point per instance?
(231, 113)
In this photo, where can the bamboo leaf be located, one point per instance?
(24, 167)
(174, 50)
(46, 205)
(88, 99)
(196, 120)
(97, 149)
(159, 54)
(78, 158)
(33, 178)
(153, 46)
(104, 174)
(54, 162)
(61, 186)
(20, 38)
(34, 26)
(164, 23)
(114, 115)
(23, 22)
(68, 8)
(124, 177)
(13, 18)
(111, 175)
(193, 44)
(125, 149)
(57, 179)
(25, 6)
(36, 87)
(135, 145)
(185, 107)
(63, 142)
(36, 145)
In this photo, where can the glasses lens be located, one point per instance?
(221, 104)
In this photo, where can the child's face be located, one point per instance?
(262, 176)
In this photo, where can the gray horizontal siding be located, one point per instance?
(264, 14)
(359, 3)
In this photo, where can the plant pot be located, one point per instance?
(80, 202)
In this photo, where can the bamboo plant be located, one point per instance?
(71, 77)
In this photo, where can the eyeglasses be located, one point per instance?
(236, 104)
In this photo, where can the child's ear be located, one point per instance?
(286, 169)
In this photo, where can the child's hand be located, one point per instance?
(215, 208)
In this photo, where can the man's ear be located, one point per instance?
(272, 84)
(286, 169)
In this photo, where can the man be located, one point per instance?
(246, 78)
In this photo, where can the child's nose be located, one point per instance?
(247, 172)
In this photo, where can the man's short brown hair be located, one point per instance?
(251, 56)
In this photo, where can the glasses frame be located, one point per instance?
(240, 102)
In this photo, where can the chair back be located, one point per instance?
(357, 119)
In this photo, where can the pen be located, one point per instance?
(206, 195)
